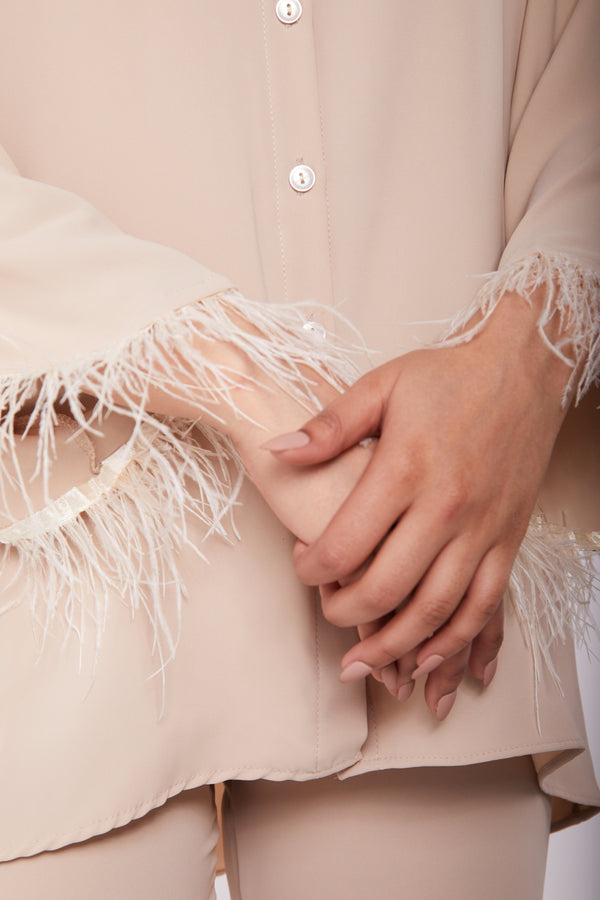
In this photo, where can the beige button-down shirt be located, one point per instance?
(378, 159)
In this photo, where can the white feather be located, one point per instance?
(572, 294)
(120, 533)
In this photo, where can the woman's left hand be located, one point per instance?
(465, 435)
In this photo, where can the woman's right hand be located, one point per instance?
(306, 498)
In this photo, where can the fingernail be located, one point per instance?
(489, 672)
(289, 441)
(444, 706)
(405, 690)
(390, 678)
(431, 663)
(354, 671)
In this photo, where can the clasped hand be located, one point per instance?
(419, 555)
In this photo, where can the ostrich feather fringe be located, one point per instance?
(118, 535)
(552, 586)
(277, 339)
(572, 294)
(116, 538)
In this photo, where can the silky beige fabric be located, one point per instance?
(369, 836)
(149, 146)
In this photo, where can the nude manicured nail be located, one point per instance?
(289, 441)
(405, 690)
(431, 663)
(489, 672)
(390, 678)
(444, 706)
(355, 671)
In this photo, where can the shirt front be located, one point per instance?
(372, 160)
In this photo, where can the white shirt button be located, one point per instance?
(316, 329)
(302, 178)
(288, 11)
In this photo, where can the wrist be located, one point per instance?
(263, 410)
(512, 334)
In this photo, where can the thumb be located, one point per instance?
(348, 419)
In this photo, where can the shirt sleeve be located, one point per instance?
(552, 183)
(87, 310)
(86, 307)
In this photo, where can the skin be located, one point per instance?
(419, 555)
(412, 538)
(304, 499)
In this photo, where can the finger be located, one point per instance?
(355, 415)
(389, 676)
(475, 615)
(432, 606)
(361, 523)
(479, 608)
(365, 631)
(483, 661)
(396, 676)
(443, 682)
(402, 554)
(396, 571)
(406, 666)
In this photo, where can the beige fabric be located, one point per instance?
(180, 122)
(392, 835)
(170, 854)
(375, 835)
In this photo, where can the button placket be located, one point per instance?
(301, 177)
(300, 198)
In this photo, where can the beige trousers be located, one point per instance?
(461, 832)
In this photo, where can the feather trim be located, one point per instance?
(552, 585)
(117, 537)
(553, 578)
(119, 534)
(551, 588)
(572, 294)
(278, 339)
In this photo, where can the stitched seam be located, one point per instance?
(192, 781)
(525, 748)
(326, 193)
(275, 149)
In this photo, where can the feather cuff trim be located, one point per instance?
(118, 535)
(277, 339)
(552, 585)
(572, 294)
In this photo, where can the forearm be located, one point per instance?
(250, 404)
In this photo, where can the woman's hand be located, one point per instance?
(465, 435)
(304, 499)
(252, 409)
